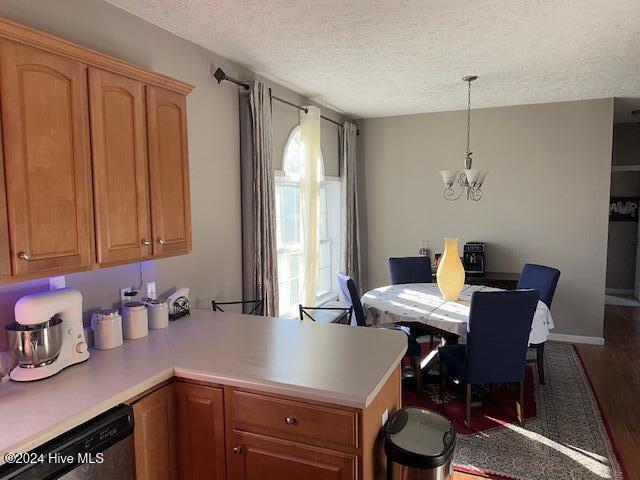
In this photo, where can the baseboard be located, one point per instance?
(561, 337)
(618, 291)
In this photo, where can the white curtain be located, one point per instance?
(310, 193)
(350, 258)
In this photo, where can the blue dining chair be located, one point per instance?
(496, 349)
(405, 270)
(410, 270)
(351, 298)
(544, 280)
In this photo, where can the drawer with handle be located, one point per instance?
(297, 421)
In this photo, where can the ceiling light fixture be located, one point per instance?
(469, 180)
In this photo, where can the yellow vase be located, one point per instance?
(450, 273)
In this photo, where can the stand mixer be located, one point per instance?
(47, 335)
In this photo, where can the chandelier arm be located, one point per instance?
(476, 194)
(461, 182)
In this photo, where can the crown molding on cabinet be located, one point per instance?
(50, 43)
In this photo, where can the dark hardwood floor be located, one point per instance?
(615, 373)
(614, 370)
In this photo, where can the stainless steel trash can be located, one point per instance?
(422, 443)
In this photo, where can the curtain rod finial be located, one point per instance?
(219, 75)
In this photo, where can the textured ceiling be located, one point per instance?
(377, 58)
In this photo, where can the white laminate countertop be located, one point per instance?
(331, 363)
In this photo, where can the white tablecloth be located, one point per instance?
(422, 302)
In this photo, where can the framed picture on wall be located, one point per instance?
(623, 209)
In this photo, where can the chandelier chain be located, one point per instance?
(468, 114)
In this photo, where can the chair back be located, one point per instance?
(541, 278)
(250, 307)
(340, 315)
(410, 270)
(499, 328)
(351, 297)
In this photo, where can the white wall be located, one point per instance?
(545, 199)
(213, 270)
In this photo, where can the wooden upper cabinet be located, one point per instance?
(168, 171)
(5, 250)
(46, 146)
(120, 167)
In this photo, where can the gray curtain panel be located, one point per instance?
(350, 223)
(259, 255)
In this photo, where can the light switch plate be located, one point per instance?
(151, 290)
(385, 417)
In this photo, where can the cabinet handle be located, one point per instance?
(161, 241)
(290, 420)
(145, 241)
(237, 449)
(24, 255)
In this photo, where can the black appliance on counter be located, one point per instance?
(473, 258)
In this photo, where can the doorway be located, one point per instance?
(623, 251)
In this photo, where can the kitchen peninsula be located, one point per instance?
(235, 387)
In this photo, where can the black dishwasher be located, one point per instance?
(100, 449)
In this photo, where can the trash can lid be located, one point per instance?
(419, 438)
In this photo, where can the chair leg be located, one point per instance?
(540, 361)
(520, 403)
(443, 381)
(418, 368)
(467, 405)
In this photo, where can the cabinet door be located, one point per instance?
(255, 457)
(168, 171)
(154, 436)
(5, 252)
(46, 146)
(120, 169)
(201, 432)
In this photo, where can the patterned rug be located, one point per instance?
(564, 434)
(497, 410)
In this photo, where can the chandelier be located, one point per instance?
(468, 181)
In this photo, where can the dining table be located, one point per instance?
(423, 303)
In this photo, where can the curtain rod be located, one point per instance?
(219, 75)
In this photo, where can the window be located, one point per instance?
(289, 231)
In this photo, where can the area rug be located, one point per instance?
(564, 434)
(498, 409)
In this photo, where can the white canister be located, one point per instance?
(158, 314)
(134, 320)
(107, 329)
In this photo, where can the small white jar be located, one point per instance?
(158, 312)
(135, 322)
(107, 329)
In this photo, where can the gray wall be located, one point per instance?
(545, 198)
(214, 267)
(626, 144)
(622, 248)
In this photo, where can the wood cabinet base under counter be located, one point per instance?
(222, 432)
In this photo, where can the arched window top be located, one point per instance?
(292, 158)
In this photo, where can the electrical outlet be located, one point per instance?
(56, 283)
(151, 290)
(124, 298)
(385, 417)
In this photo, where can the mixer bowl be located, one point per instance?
(35, 345)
